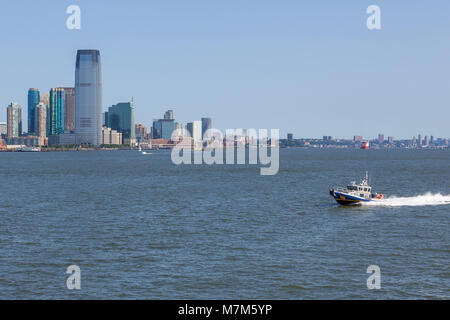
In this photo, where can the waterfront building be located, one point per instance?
(40, 124)
(120, 117)
(380, 138)
(110, 136)
(33, 100)
(390, 140)
(427, 141)
(290, 137)
(207, 123)
(140, 132)
(69, 109)
(56, 109)
(420, 140)
(62, 139)
(163, 128)
(357, 138)
(88, 97)
(14, 120)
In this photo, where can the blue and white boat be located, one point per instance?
(355, 193)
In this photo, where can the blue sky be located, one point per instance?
(307, 67)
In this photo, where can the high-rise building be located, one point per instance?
(88, 97)
(14, 120)
(168, 115)
(427, 141)
(390, 140)
(195, 130)
(120, 117)
(69, 111)
(420, 140)
(140, 132)
(380, 138)
(163, 128)
(432, 140)
(56, 109)
(40, 124)
(33, 100)
(207, 124)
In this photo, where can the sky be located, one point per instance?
(311, 68)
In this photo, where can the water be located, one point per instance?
(140, 227)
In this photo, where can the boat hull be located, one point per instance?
(346, 199)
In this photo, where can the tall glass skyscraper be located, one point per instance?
(88, 97)
(33, 100)
(56, 109)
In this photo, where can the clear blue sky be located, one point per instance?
(307, 67)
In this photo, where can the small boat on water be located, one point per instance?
(355, 193)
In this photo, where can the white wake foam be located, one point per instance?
(427, 199)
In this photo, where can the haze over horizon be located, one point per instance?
(312, 69)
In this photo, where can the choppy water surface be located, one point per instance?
(140, 227)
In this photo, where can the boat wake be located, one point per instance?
(427, 199)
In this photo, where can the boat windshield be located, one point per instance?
(352, 188)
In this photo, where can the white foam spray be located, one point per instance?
(427, 199)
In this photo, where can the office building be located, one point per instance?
(111, 137)
(140, 132)
(380, 138)
(120, 117)
(420, 140)
(56, 109)
(163, 128)
(88, 97)
(33, 100)
(40, 124)
(207, 124)
(69, 110)
(14, 120)
(290, 137)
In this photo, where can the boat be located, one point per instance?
(29, 149)
(355, 193)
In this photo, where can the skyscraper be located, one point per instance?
(69, 111)
(120, 117)
(14, 120)
(168, 115)
(163, 128)
(88, 97)
(33, 100)
(206, 125)
(380, 138)
(41, 120)
(56, 109)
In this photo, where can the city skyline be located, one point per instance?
(299, 69)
